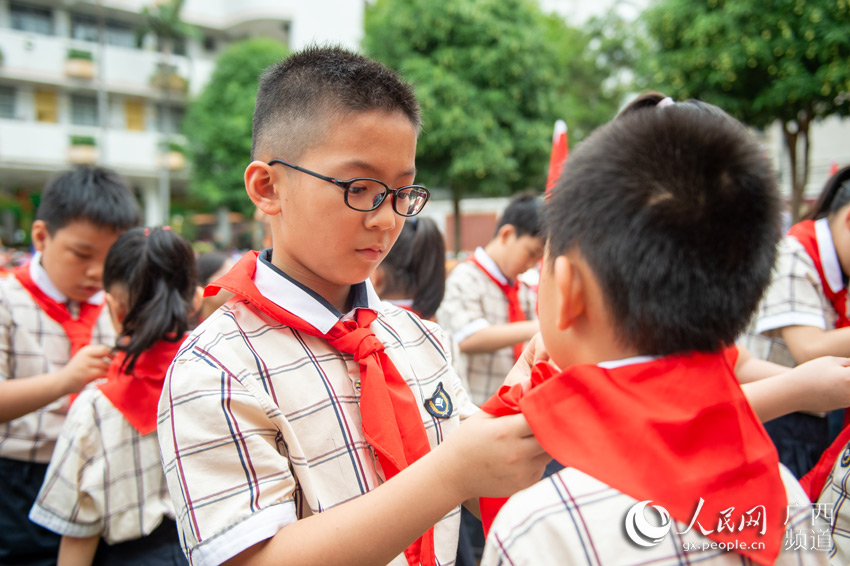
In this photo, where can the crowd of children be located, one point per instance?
(321, 404)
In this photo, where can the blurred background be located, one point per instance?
(162, 91)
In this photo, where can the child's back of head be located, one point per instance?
(675, 210)
(154, 273)
(300, 97)
(89, 194)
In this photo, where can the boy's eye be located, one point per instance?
(357, 189)
(81, 255)
(402, 196)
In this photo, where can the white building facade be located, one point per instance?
(77, 87)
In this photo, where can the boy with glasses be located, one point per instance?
(305, 419)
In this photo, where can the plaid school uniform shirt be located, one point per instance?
(795, 297)
(833, 502)
(471, 303)
(105, 478)
(572, 518)
(32, 343)
(259, 424)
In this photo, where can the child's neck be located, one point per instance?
(497, 254)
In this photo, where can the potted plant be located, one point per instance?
(167, 78)
(79, 64)
(82, 150)
(174, 155)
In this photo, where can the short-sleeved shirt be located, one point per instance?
(259, 424)
(471, 303)
(795, 297)
(572, 518)
(32, 343)
(834, 496)
(105, 478)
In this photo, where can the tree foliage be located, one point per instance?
(484, 74)
(761, 60)
(218, 124)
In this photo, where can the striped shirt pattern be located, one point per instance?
(104, 479)
(32, 343)
(795, 297)
(259, 424)
(571, 518)
(834, 498)
(473, 302)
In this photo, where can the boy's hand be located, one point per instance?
(534, 352)
(88, 364)
(492, 457)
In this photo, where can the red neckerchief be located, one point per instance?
(804, 232)
(390, 414)
(515, 312)
(815, 479)
(136, 395)
(672, 430)
(79, 330)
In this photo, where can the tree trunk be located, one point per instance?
(456, 227)
(799, 170)
(796, 192)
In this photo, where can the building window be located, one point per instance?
(7, 102)
(46, 109)
(134, 114)
(84, 28)
(120, 35)
(175, 120)
(31, 18)
(178, 46)
(84, 110)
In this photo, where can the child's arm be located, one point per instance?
(75, 551)
(749, 368)
(19, 397)
(499, 336)
(809, 342)
(485, 456)
(820, 385)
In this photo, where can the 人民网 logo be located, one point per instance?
(439, 404)
(640, 531)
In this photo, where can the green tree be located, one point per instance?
(485, 75)
(760, 60)
(218, 123)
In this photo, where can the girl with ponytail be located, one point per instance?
(105, 490)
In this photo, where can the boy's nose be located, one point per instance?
(384, 216)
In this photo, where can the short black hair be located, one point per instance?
(834, 196)
(297, 96)
(676, 212)
(524, 214)
(93, 194)
(157, 268)
(208, 264)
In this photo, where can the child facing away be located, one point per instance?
(305, 420)
(660, 241)
(804, 313)
(413, 275)
(486, 310)
(55, 337)
(104, 490)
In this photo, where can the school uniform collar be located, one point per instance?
(42, 281)
(633, 360)
(487, 263)
(305, 303)
(828, 256)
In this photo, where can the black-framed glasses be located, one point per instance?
(365, 194)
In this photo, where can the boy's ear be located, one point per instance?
(505, 232)
(39, 235)
(571, 292)
(260, 181)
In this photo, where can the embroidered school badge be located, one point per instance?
(439, 404)
(845, 457)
